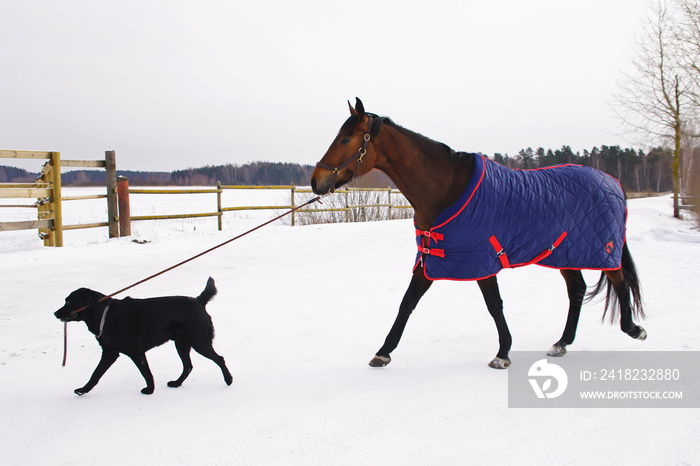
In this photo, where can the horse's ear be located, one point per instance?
(353, 112)
(359, 108)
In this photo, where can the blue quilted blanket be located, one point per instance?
(565, 217)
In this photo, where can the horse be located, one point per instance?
(441, 184)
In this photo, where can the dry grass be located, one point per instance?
(356, 205)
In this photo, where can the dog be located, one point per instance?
(134, 326)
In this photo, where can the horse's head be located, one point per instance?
(349, 155)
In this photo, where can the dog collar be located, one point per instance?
(102, 320)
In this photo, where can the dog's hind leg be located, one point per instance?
(208, 352)
(141, 362)
(183, 350)
(109, 355)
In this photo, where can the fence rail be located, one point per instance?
(295, 191)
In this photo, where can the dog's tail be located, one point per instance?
(208, 293)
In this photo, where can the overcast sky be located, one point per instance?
(177, 84)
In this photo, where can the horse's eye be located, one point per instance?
(345, 141)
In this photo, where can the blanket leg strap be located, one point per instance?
(503, 257)
(546, 252)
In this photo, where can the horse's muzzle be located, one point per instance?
(320, 184)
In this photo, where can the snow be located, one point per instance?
(300, 312)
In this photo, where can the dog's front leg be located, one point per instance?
(140, 361)
(109, 355)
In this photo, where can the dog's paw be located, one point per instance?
(228, 379)
(81, 391)
(174, 384)
(147, 390)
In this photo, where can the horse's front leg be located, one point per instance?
(419, 285)
(494, 303)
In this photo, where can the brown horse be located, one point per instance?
(433, 177)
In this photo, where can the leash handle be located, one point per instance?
(65, 343)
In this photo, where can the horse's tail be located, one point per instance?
(612, 302)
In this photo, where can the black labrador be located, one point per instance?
(134, 326)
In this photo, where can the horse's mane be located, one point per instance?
(455, 156)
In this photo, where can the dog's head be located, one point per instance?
(77, 304)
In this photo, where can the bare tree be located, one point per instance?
(689, 38)
(656, 97)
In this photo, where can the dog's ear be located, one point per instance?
(89, 297)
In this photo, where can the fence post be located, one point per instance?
(57, 211)
(112, 208)
(218, 203)
(124, 208)
(44, 209)
(293, 212)
(389, 201)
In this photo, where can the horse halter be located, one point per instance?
(357, 156)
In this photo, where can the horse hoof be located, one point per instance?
(500, 363)
(638, 333)
(380, 361)
(557, 351)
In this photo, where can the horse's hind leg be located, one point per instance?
(419, 285)
(622, 290)
(494, 303)
(576, 289)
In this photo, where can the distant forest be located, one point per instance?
(636, 170)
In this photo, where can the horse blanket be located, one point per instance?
(565, 217)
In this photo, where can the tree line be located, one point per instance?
(256, 173)
(637, 171)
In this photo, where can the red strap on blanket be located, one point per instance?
(430, 235)
(432, 252)
(546, 252)
(500, 252)
(504, 258)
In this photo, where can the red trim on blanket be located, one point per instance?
(481, 178)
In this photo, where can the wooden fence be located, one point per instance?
(47, 192)
(294, 194)
(49, 200)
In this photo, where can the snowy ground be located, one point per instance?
(300, 312)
